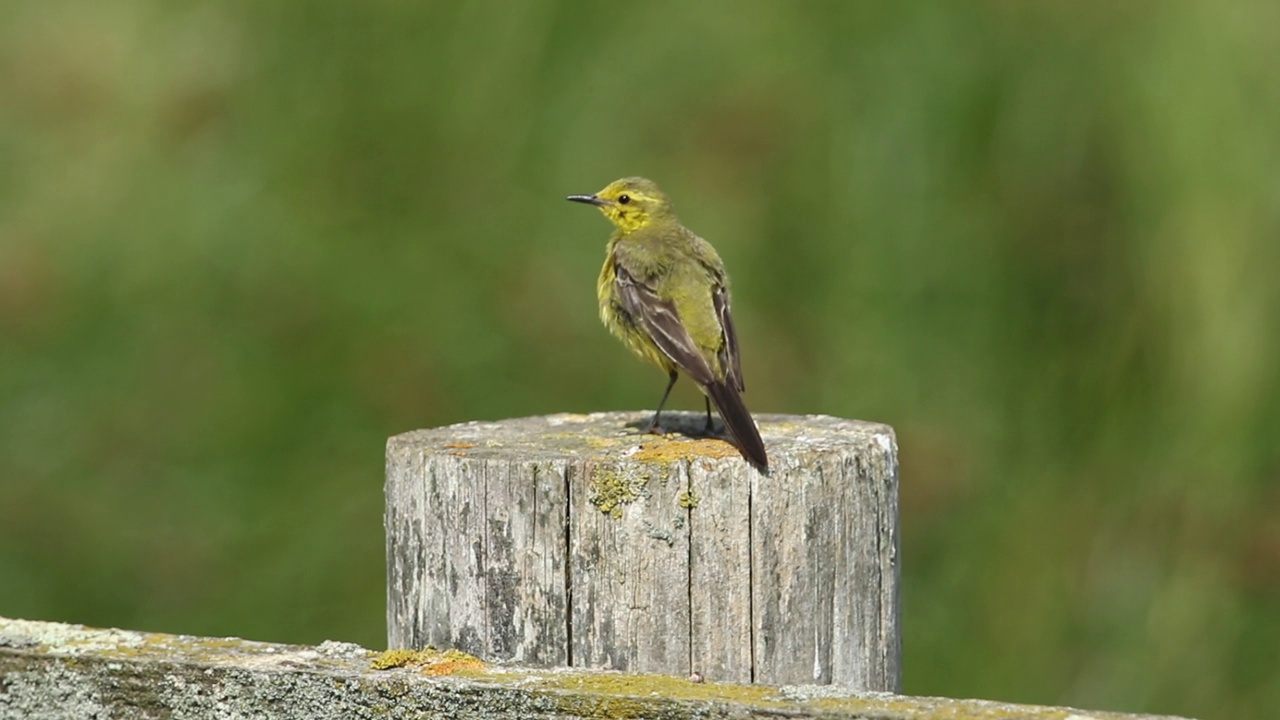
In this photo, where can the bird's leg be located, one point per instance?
(707, 430)
(653, 425)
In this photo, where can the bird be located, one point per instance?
(664, 293)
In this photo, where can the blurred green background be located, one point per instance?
(241, 243)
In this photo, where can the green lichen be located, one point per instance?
(388, 659)
(610, 491)
(658, 533)
(633, 696)
(689, 499)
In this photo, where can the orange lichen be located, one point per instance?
(429, 661)
(449, 667)
(666, 451)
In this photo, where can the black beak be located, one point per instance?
(588, 199)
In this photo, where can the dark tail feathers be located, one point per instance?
(738, 419)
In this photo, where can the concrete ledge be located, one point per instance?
(52, 670)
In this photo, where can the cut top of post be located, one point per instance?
(791, 439)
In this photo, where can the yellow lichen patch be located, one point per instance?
(395, 658)
(605, 442)
(448, 666)
(684, 449)
(649, 686)
(459, 445)
(609, 491)
(431, 661)
(689, 500)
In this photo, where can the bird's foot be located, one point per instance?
(654, 428)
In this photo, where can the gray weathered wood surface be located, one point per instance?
(52, 671)
(577, 540)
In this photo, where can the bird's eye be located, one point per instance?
(624, 199)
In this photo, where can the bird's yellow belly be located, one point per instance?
(621, 325)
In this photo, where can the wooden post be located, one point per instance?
(576, 540)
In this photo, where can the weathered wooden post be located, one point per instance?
(576, 540)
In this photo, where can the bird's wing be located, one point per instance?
(661, 320)
(729, 358)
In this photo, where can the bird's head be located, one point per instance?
(630, 203)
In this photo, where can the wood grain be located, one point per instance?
(577, 540)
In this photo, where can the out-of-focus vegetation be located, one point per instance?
(241, 243)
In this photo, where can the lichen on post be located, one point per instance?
(577, 540)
